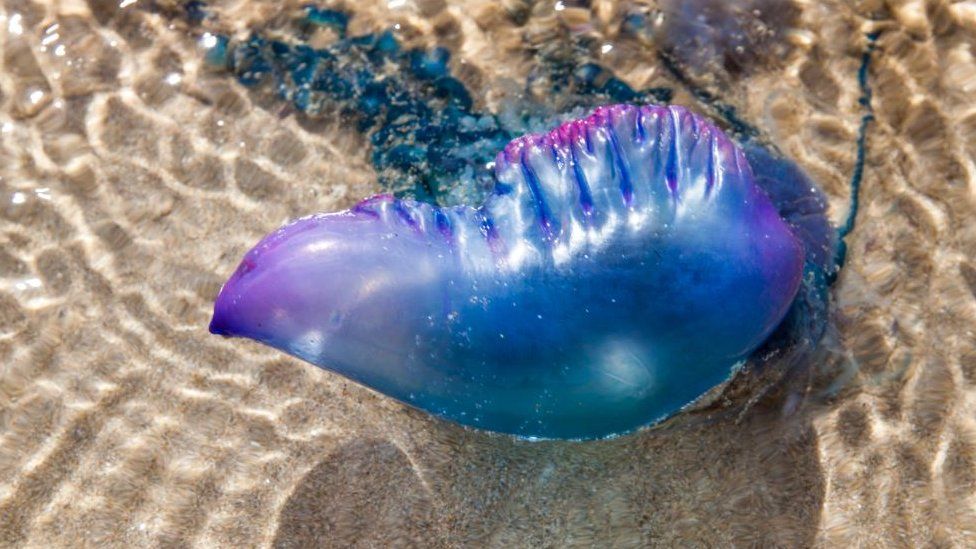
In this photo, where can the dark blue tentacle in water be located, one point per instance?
(862, 137)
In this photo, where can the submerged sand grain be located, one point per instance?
(133, 178)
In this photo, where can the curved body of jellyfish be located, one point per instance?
(624, 265)
(790, 348)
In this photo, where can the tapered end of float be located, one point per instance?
(220, 323)
(226, 316)
(258, 289)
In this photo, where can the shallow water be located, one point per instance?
(134, 175)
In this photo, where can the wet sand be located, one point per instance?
(133, 178)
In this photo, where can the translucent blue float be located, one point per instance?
(625, 264)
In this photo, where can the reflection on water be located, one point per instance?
(133, 174)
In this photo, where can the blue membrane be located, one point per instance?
(862, 138)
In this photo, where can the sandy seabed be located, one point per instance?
(133, 178)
